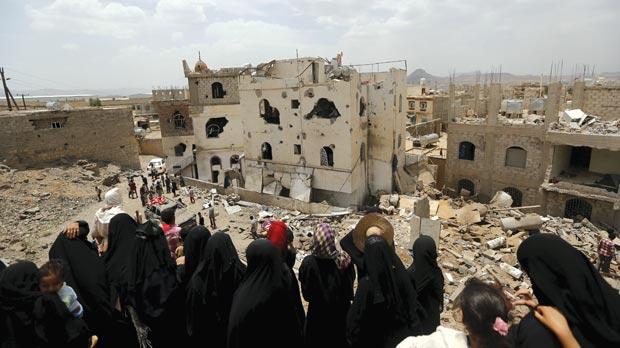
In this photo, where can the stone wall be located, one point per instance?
(602, 101)
(603, 213)
(488, 171)
(151, 147)
(201, 87)
(27, 138)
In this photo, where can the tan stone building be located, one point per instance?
(572, 172)
(33, 137)
(215, 113)
(319, 131)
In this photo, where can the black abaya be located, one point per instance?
(346, 243)
(564, 278)
(85, 273)
(119, 256)
(263, 311)
(30, 319)
(194, 247)
(385, 308)
(428, 282)
(210, 291)
(329, 291)
(153, 290)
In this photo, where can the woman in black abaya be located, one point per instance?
(385, 307)
(564, 278)
(119, 255)
(194, 245)
(326, 278)
(263, 312)
(85, 273)
(153, 290)
(210, 292)
(29, 318)
(428, 281)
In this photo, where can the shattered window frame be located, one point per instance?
(327, 156)
(266, 151)
(215, 126)
(324, 108)
(217, 90)
(178, 119)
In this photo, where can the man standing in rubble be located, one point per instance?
(606, 251)
(211, 210)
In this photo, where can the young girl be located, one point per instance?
(484, 311)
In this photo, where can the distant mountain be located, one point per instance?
(470, 78)
(115, 92)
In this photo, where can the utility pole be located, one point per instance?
(24, 101)
(6, 90)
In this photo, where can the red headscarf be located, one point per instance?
(277, 234)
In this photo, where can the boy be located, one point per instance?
(52, 282)
(253, 227)
(606, 251)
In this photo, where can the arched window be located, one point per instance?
(517, 196)
(467, 151)
(217, 90)
(179, 120)
(516, 157)
(266, 151)
(327, 156)
(577, 209)
(467, 185)
(215, 171)
(179, 149)
(216, 161)
(234, 160)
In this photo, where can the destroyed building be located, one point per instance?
(177, 130)
(319, 131)
(569, 166)
(215, 113)
(33, 137)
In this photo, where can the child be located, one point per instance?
(52, 281)
(606, 251)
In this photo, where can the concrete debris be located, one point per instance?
(501, 199)
(528, 222)
(589, 124)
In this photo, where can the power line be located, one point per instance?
(41, 78)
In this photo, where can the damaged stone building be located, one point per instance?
(215, 113)
(570, 168)
(319, 131)
(30, 138)
(177, 130)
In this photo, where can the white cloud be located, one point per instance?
(70, 46)
(88, 16)
(175, 12)
(177, 35)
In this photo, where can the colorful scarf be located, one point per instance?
(324, 246)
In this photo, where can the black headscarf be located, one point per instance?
(211, 289)
(194, 247)
(85, 273)
(263, 311)
(385, 309)
(19, 290)
(346, 243)
(564, 278)
(2, 266)
(152, 273)
(428, 281)
(118, 257)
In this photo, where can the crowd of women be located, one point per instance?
(133, 293)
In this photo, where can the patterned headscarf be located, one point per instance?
(324, 246)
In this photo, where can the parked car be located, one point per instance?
(157, 165)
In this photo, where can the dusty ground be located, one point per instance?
(38, 204)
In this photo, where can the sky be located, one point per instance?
(101, 44)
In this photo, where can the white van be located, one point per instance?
(157, 165)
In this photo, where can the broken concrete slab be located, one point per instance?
(528, 222)
(432, 228)
(514, 272)
(444, 210)
(501, 199)
(468, 215)
(422, 208)
(414, 230)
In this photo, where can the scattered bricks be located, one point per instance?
(496, 243)
(528, 222)
(449, 278)
(489, 254)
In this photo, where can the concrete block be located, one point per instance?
(432, 228)
(414, 230)
(422, 208)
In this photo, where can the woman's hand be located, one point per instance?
(556, 322)
(72, 230)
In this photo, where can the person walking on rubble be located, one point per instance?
(132, 189)
(606, 251)
(211, 211)
(98, 190)
(173, 187)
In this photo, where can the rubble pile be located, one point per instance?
(37, 202)
(598, 126)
